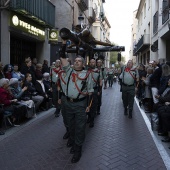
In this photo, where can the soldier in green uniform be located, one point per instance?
(97, 86)
(110, 74)
(62, 100)
(79, 89)
(103, 76)
(54, 79)
(129, 78)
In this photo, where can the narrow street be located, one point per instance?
(115, 142)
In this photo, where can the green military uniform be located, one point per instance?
(78, 87)
(54, 81)
(103, 76)
(110, 74)
(96, 86)
(128, 88)
(63, 86)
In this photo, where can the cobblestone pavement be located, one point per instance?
(115, 142)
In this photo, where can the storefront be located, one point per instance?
(26, 38)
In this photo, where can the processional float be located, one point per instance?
(84, 43)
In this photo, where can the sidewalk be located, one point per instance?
(115, 142)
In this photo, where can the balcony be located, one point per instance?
(165, 10)
(83, 4)
(41, 11)
(155, 23)
(142, 44)
(92, 15)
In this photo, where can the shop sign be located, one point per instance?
(26, 26)
(53, 36)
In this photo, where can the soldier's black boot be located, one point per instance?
(98, 110)
(57, 112)
(88, 119)
(125, 111)
(91, 125)
(70, 143)
(77, 154)
(67, 134)
(130, 114)
(73, 148)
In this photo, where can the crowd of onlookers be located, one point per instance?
(24, 93)
(153, 93)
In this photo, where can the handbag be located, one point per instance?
(154, 121)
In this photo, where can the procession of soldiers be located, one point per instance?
(79, 93)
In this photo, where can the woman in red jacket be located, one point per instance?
(8, 101)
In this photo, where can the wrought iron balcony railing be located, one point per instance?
(143, 43)
(42, 11)
(165, 10)
(155, 22)
(83, 4)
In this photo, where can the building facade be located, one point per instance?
(24, 30)
(142, 43)
(153, 32)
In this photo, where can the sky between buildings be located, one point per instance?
(120, 17)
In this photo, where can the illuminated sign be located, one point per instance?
(27, 26)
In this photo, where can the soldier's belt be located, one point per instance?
(127, 84)
(76, 100)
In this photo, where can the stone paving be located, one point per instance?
(115, 142)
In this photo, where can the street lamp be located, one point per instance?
(81, 19)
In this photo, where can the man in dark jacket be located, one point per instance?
(155, 80)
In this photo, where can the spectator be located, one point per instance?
(9, 102)
(164, 78)
(38, 71)
(8, 71)
(155, 80)
(141, 86)
(163, 109)
(31, 91)
(27, 68)
(17, 92)
(34, 63)
(45, 68)
(17, 74)
(1, 71)
(148, 101)
(42, 91)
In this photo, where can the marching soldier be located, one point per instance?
(110, 74)
(78, 90)
(62, 100)
(103, 76)
(54, 80)
(97, 86)
(130, 78)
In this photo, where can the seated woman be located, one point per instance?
(31, 92)
(163, 110)
(18, 92)
(9, 102)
